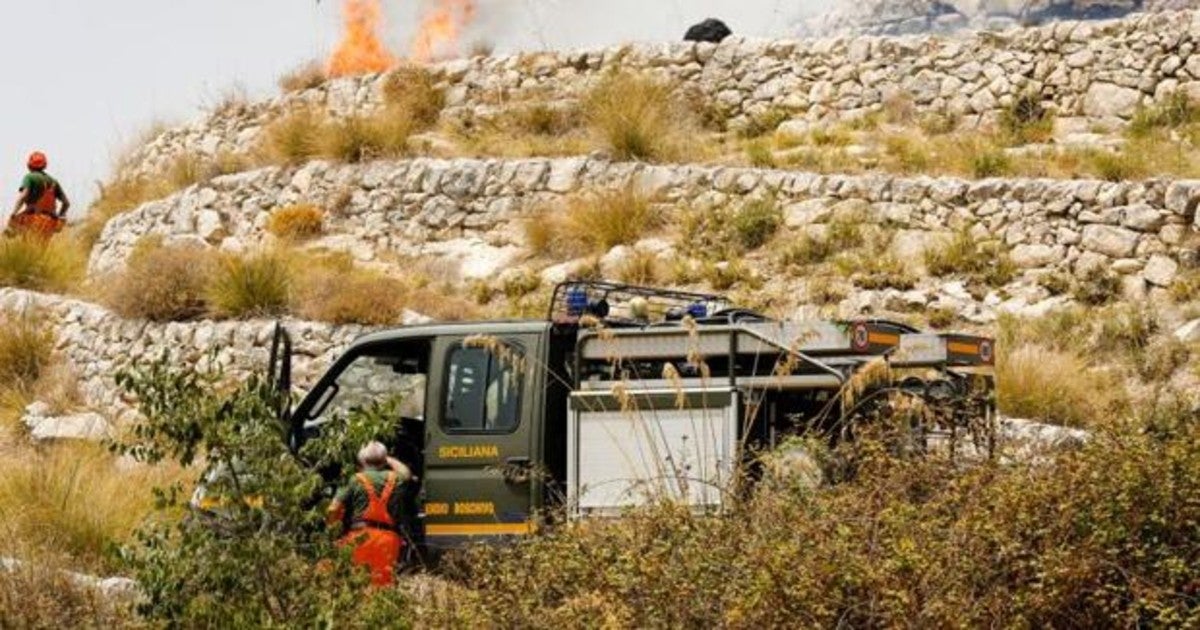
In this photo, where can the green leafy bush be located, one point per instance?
(982, 262)
(756, 222)
(262, 557)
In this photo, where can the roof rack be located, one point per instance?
(629, 304)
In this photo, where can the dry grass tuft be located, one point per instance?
(333, 290)
(1057, 386)
(297, 222)
(305, 77)
(161, 283)
(410, 92)
(591, 223)
(1026, 120)
(530, 129)
(641, 267)
(383, 134)
(41, 594)
(985, 263)
(28, 262)
(26, 350)
(294, 138)
(75, 500)
(259, 285)
(640, 118)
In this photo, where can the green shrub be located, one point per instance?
(759, 154)
(1095, 536)
(876, 271)
(841, 235)
(1174, 111)
(1096, 286)
(985, 262)
(1025, 120)
(259, 285)
(265, 559)
(993, 163)
(756, 222)
(1117, 166)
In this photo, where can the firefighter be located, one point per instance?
(40, 192)
(370, 510)
(38, 206)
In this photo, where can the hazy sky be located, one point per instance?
(85, 76)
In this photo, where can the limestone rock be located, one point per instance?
(1033, 256)
(1160, 271)
(1110, 241)
(1107, 100)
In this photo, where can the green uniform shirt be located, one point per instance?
(354, 497)
(36, 183)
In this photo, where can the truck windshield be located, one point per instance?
(375, 380)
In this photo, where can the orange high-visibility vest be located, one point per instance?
(377, 545)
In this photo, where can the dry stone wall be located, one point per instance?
(96, 344)
(467, 212)
(1092, 70)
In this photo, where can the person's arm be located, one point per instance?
(336, 513)
(65, 203)
(400, 469)
(21, 201)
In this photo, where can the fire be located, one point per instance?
(361, 51)
(441, 30)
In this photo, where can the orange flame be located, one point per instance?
(360, 51)
(441, 31)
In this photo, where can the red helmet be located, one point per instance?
(37, 161)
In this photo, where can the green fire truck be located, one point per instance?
(623, 395)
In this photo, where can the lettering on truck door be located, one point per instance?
(479, 440)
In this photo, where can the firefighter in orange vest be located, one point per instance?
(370, 509)
(40, 192)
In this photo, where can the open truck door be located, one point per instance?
(480, 480)
(279, 375)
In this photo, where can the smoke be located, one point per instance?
(519, 25)
(428, 30)
(574, 24)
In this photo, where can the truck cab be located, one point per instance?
(483, 432)
(624, 395)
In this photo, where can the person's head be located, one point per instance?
(37, 161)
(374, 456)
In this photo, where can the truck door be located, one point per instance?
(479, 442)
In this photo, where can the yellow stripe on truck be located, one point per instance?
(883, 339)
(958, 347)
(479, 529)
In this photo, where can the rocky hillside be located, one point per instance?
(920, 16)
(855, 226)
